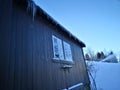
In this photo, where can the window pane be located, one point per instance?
(56, 51)
(67, 50)
(57, 48)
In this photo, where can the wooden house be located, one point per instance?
(36, 52)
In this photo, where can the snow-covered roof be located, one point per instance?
(110, 58)
(40, 12)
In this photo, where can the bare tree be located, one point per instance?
(91, 53)
(87, 57)
(92, 74)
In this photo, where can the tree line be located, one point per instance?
(90, 55)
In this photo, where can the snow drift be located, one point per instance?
(107, 76)
(110, 58)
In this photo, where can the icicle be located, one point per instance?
(32, 8)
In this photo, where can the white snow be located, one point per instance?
(74, 86)
(107, 76)
(110, 58)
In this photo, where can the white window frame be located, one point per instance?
(58, 45)
(67, 51)
(64, 49)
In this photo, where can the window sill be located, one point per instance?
(56, 60)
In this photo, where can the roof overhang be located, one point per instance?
(40, 12)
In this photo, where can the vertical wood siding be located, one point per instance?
(26, 55)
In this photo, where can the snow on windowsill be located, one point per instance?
(57, 60)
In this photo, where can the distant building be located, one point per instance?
(111, 59)
(36, 52)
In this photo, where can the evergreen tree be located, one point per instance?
(102, 55)
(111, 52)
(98, 55)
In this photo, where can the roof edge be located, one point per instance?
(60, 26)
(35, 8)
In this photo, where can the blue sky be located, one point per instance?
(95, 22)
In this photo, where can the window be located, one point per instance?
(67, 51)
(61, 49)
(57, 48)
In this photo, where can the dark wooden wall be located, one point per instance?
(26, 54)
(5, 28)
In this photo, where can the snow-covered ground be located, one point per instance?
(107, 76)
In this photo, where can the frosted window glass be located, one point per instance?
(57, 48)
(67, 51)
